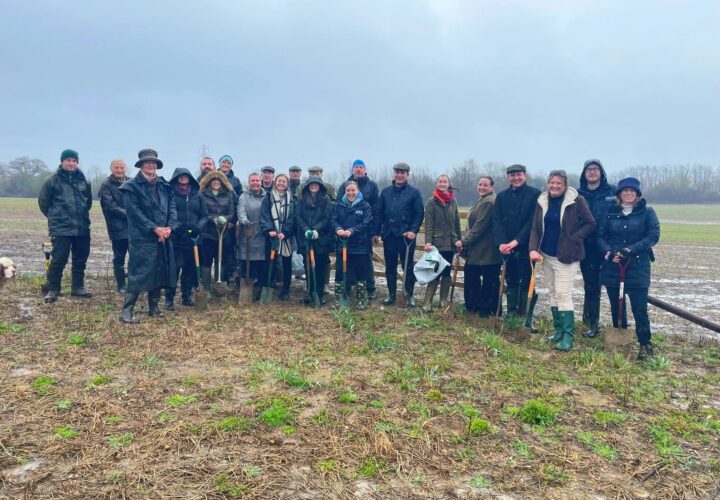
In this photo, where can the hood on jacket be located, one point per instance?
(184, 171)
(210, 176)
(603, 176)
(314, 180)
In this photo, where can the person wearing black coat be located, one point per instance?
(152, 217)
(352, 221)
(314, 214)
(221, 211)
(278, 222)
(627, 234)
(229, 267)
(65, 199)
(370, 192)
(512, 220)
(113, 207)
(397, 218)
(192, 215)
(600, 196)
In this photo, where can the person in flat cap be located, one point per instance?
(627, 235)
(294, 174)
(397, 219)
(65, 199)
(267, 173)
(152, 217)
(512, 220)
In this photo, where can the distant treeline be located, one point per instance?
(23, 177)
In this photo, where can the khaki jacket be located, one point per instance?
(479, 240)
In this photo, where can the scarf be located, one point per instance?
(357, 200)
(443, 197)
(626, 209)
(183, 189)
(279, 210)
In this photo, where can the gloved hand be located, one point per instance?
(311, 234)
(220, 220)
(315, 235)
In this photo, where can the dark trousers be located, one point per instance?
(639, 303)
(283, 270)
(517, 274)
(185, 264)
(590, 268)
(120, 250)
(322, 264)
(62, 247)
(229, 245)
(394, 250)
(209, 254)
(258, 271)
(482, 285)
(358, 269)
(371, 277)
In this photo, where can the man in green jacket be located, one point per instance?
(65, 199)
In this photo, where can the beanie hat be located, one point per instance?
(69, 153)
(225, 158)
(629, 182)
(358, 163)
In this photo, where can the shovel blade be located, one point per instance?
(220, 289)
(401, 300)
(266, 295)
(619, 340)
(246, 292)
(497, 323)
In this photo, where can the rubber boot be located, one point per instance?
(558, 335)
(522, 302)
(338, 294)
(567, 324)
(206, 278)
(362, 296)
(530, 323)
(512, 302)
(170, 299)
(392, 290)
(80, 292)
(429, 294)
(153, 304)
(187, 299)
(445, 284)
(593, 319)
(120, 279)
(52, 296)
(127, 316)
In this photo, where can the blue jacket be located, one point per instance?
(358, 219)
(639, 232)
(398, 210)
(368, 188)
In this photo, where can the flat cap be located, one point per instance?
(401, 167)
(315, 168)
(515, 168)
(267, 168)
(295, 168)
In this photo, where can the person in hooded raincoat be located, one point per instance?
(152, 217)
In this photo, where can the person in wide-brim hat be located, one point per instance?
(148, 155)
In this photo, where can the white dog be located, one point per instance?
(7, 270)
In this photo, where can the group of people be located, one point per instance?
(252, 232)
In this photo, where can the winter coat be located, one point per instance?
(191, 210)
(479, 242)
(599, 200)
(65, 199)
(368, 188)
(234, 182)
(398, 210)
(329, 189)
(316, 216)
(151, 264)
(358, 219)
(576, 222)
(442, 224)
(248, 210)
(221, 205)
(288, 226)
(639, 232)
(113, 208)
(513, 217)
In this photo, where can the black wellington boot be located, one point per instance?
(153, 304)
(127, 316)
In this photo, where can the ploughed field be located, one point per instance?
(286, 401)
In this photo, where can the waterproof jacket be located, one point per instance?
(576, 222)
(356, 218)
(315, 215)
(288, 226)
(368, 188)
(113, 208)
(191, 209)
(599, 200)
(479, 242)
(639, 232)
(513, 217)
(223, 204)
(65, 199)
(234, 182)
(398, 210)
(329, 189)
(442, 224)
(249, 207)
(151, 264)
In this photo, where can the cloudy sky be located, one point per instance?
(548, 83)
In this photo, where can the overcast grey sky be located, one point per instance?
(545, 83)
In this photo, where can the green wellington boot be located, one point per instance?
(567, 324)
(558, 335)
(429, 294)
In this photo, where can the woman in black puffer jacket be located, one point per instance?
(626, 236)
(352, 222)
